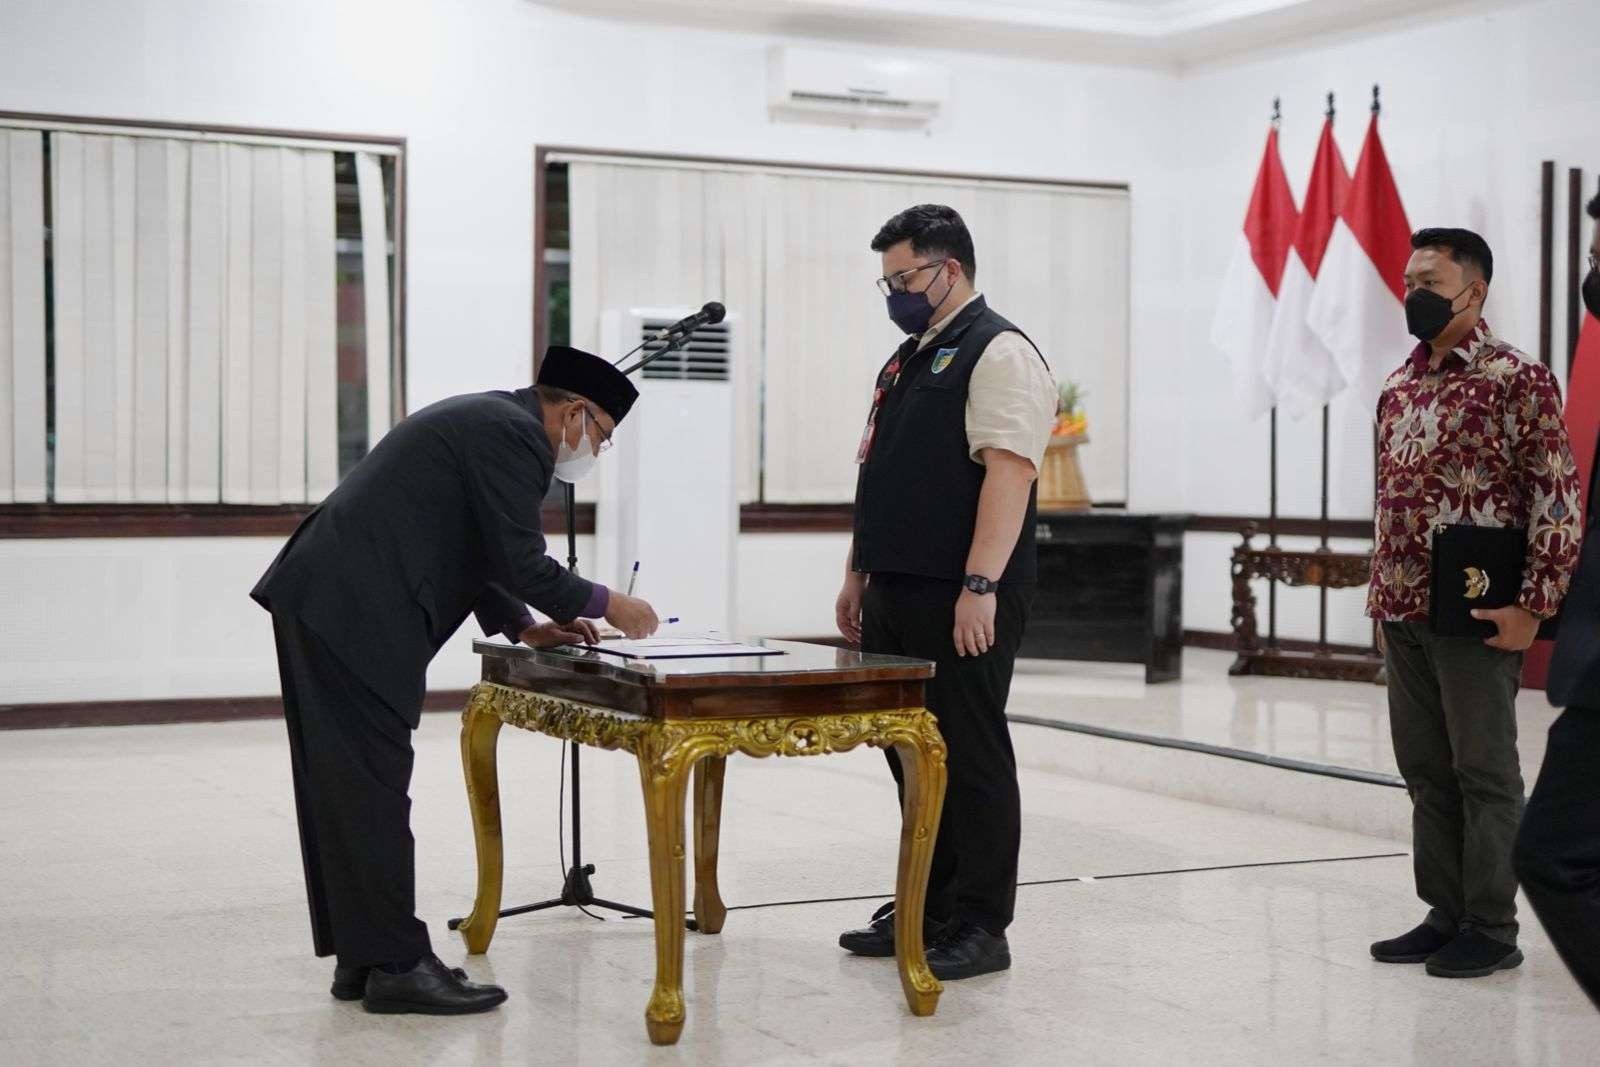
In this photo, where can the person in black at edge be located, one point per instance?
(1557, 855)
(942, 564)
(439, 520)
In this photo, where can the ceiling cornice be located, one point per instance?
(1158, 33)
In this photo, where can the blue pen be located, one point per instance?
(671, 620)
(634, 577)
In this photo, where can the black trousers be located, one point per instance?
(974, 875)
(1453, 717)
(1558, 848)
(351, 756)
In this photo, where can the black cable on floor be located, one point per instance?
(1092, 878)
(561, 829)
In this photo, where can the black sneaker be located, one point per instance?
(1413, 947)
(966, 951)
(877, 937)
(1473, 955)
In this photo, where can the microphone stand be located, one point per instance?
(576, 889)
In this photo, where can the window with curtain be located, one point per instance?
(191, 319)
(786, 250)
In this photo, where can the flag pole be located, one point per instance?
(1272, 462)
(1322, 589)
(1377, 109)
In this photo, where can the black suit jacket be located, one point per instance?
(1575, 664)
(441, 519)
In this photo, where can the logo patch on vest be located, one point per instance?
(942, 359)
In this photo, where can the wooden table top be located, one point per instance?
(805, 679)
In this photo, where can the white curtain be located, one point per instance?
(674, 237)
(22, 384)
(195, 327)
(827, 333)
(375, 275)
(790, 252)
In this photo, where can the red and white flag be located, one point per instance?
(1300, 370)
(1250, 288)
(1358, 309)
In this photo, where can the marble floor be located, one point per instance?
(1342, 724)
(151, 912)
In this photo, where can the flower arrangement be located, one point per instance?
(1070, 418)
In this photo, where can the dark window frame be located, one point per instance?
(54, 520)
(761, 516)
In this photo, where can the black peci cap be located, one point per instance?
(590, 377)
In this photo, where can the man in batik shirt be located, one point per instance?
(1469, 432)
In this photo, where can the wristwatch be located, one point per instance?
(977, 583)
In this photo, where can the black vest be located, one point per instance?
(917, 492)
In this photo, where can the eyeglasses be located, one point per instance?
(1594, 262)
(896, 283)
(605, 438)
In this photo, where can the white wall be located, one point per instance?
(1472, 104)
(474, 86)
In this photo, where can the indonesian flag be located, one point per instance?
(1358, 309)
(1300, 369)
(1583, 404)
(1582, 416)
(1250, 288)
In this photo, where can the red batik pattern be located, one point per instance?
(1480, 441)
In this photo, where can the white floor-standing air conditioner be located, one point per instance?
(667, 496)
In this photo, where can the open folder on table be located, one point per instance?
(680, 648)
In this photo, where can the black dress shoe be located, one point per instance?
(877, 937)
(350, 983)
(1473, 955)
(1414, 946)
(967, 951)
(429, 988)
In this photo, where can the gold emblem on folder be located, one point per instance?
(1477, 583)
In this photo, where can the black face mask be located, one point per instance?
(1591, 292)
(1428, 312)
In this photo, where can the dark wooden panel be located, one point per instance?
(796, 518)
(190, 520)
(1357, 529)
(157, 712)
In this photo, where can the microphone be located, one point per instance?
(709, 315)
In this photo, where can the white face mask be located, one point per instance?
(573, 463)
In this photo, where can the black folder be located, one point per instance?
(1474, 567)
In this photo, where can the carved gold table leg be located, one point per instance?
(480, 730)
(664, 775)
(922, 760)
(709, 911)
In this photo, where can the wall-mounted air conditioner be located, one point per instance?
(818, 85)
(668, 497)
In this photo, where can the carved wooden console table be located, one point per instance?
(678, 716)
(1319, 567)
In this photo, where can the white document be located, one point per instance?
(680, 648)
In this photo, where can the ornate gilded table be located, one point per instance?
(683, 716)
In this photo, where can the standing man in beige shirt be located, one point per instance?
(942, 565)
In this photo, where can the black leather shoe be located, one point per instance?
(1473, 955)
(429, 988)
(350, 983)
(877, 937)
(968, 951)
(1414, 946)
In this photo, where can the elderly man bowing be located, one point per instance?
(440, 520)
